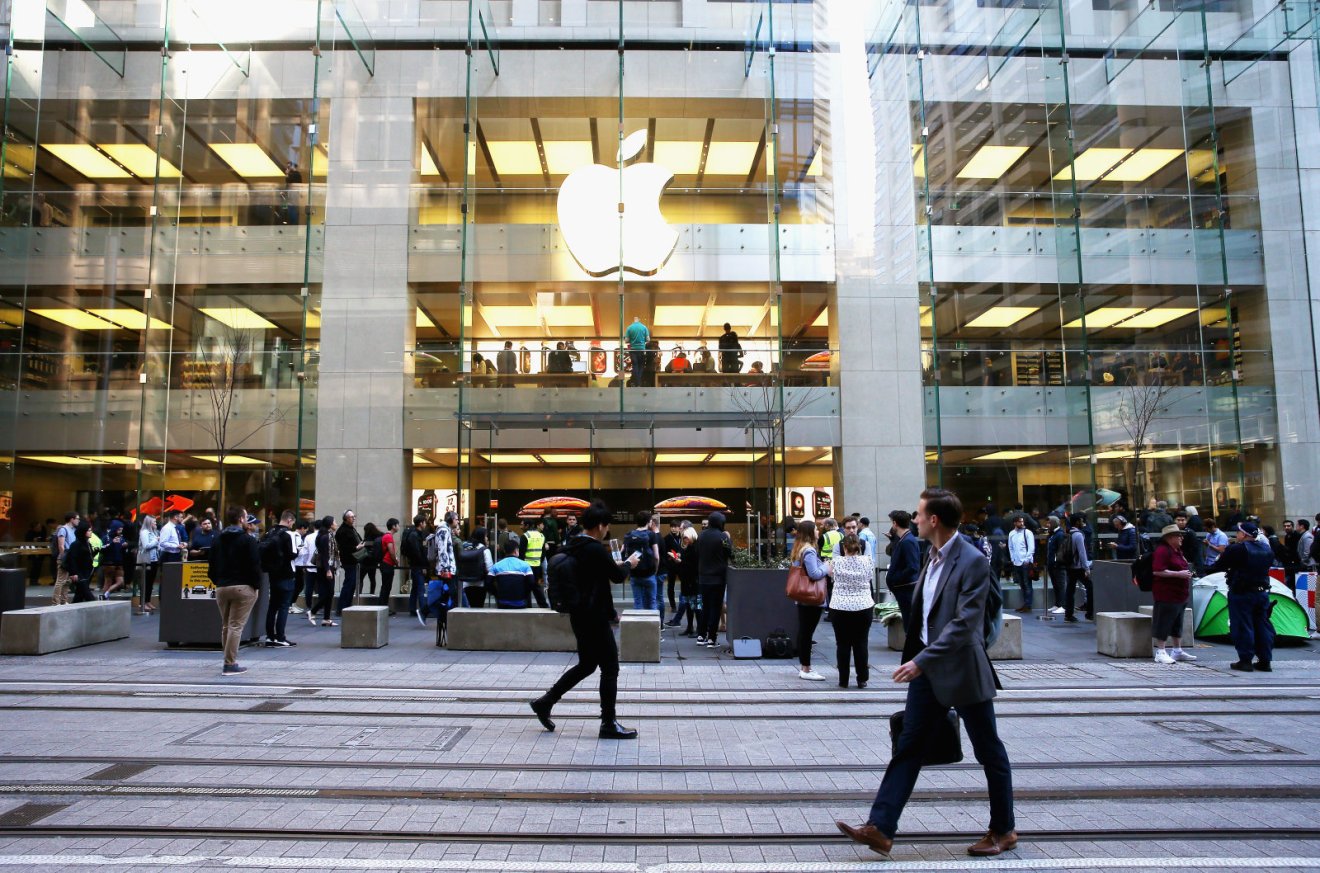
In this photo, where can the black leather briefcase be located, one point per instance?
(943, 746)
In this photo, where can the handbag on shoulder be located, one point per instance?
(803, 589)
(943, 745)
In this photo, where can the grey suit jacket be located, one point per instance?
(955, 660)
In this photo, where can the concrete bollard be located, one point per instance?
(639, 636)
(364, 627)
(897, 636)
(1122, 634)
(1008, 647)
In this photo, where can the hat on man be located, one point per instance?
(1248, 528)
(251, 519)
(1171, 529)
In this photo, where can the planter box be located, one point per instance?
(758, 605)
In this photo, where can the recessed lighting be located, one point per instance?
(1092, 164)
(584, 458)
(88, 161)
(681, 457)
(681, 158)
(237, 317)
(736, 457)
(992, 162)
(512, 459)
(76, 319)
(235, 460)
(422, 320)
(130, 319)
(1008, 455)
(428, 163)
(1155, 317)
(517, 158)
(1002, 316)
(565, 156)
(730, 158)
(247, 159)
(125, 460)
(1105, 316)
(63, 459)
(140, 160)
(1142, 164)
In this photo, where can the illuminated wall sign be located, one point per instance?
(597, 235)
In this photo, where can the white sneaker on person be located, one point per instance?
(811, 675)
(1162, 657)
(1180, 655)
(1056, 610)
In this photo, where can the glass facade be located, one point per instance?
(387, 255)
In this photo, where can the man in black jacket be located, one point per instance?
(348, 539)
(904, 561)
(412, 552)
(596, 569)
(714, 548)
(283, 585)
(235, 569)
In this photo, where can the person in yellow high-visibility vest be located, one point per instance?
(830, 539)
(532, 548)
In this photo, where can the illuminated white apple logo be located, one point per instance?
(610, 217)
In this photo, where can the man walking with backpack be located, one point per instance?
(580, 577)
(277, 553)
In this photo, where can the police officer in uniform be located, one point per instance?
(532, 549)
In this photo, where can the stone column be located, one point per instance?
(366, 310)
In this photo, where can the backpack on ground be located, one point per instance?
(566, 593)
(268, 552)
(1143, 571)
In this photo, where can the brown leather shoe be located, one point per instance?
(993, 843)
(868, 835)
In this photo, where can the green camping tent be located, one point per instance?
(1210, 611)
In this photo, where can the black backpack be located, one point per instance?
(1143, 571)
(471, 562)
(55, 543)
(1066, 553)
(268, 552)
(640, 541)
(565, 592)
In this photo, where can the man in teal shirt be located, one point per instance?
(637, 336)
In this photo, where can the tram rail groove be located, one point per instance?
(121, 831)
(545, 767)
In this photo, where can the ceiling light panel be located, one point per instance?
(1105, 316)
(1002, 316)
(130, 319)
(565, 156)
(76, 319)
(736, 457)
(88, 161)
(822, 320)
(517, 158)
(1155, 317)
(62, 459)
(123, 460)
(681, 158)
(235, 460)
(816, 170)
(567, 459)
(678, 316)
(992, 162)
(423, 321)
(428, 164)
(237, 317)
(681, 457)
(1092, 164)
(1008, 455)
(247, 159)
(1143, 164)
(568, 316)
(512, 459)
(730, 158)
(140, 160)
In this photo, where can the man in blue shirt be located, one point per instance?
(637, 336)
(1216, 541)
(1247, 564)
(512, 577)
(869, 542)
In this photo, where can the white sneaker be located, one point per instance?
(1162, 657)
(810, 674)
(1056, 610)
(1180, 655)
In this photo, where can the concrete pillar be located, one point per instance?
(366, 310)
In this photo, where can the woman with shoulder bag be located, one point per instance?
(371, 559)
(806, 557)
(851, 608)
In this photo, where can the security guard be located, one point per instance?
(532, 547)
(830, 539)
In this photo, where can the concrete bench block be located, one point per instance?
(1122, 634)
(639, 636)
(897, 636)
(1188, 622)
(364, 627)
(399, 603)
(1008, 647)
(46, 629)
(510, 630)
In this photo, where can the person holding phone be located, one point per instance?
(594, 570)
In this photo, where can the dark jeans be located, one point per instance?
(1249, 623)
(386, 584)
(1076, 576)
(808, 618)
(348, 588)
(673, 578)
(282, 592)
(1022, 576)
(536, 589)
(149, 582)
(417, 595)
(367, 573)
(900, 778)
(596, 650)
(638, 359)
(325, 592)
(712, 604)
(903, 594)
(1059, 581)
(82, 591)
(852, 634)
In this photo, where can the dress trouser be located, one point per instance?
(386, 583)
(1249, 624)
(712, 604)
(852, 634)
(348, 588)
(920, 714)
(235, 602)
(596, 650)
(903, 595)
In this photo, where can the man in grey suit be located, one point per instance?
(946, 663)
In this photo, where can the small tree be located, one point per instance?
(766, 422)
(224, 361)
(1138, 408)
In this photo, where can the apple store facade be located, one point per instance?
(799, 257)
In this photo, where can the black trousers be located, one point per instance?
(1076, 576)
(852, 634)
(386, 584)
(808, 618)
(712, 604)
(903, 595)
(325, 592)
(282, 594)
(596, 651)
